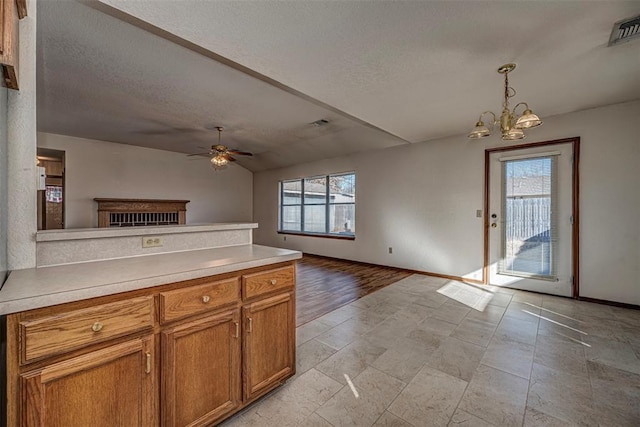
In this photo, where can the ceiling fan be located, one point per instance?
(221, 154)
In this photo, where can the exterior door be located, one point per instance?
(530, 219)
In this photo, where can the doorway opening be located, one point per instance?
(51, 189)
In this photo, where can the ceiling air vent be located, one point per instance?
(625, 30)
(320, 122)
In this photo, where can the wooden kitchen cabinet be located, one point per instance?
(190, 353)
(269, 343)
(113, 386)
(201, 370)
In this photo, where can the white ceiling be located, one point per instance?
(382, 72)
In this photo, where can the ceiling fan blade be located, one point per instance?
(240, 153)
(228, 157)
(199, 154)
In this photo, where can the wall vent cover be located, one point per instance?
(625, 30)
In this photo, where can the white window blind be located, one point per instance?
(529, 216)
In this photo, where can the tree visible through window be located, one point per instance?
(319, 205)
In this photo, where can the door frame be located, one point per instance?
(575, 205)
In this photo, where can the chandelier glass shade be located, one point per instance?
(511, 125)
(218, 161)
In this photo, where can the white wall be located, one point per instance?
(21, 151)
(103, 169)
(421, 200)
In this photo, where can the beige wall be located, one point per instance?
(104, 169)
(421, 199)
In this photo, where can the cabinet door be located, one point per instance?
(269, 343)
(113, 386)
(201, 370)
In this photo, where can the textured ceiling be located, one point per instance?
(417, 70)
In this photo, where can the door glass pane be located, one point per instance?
(528, 232)
(314, 218)
(291, 218)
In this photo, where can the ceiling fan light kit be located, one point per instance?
(221, 154)
(511, 126)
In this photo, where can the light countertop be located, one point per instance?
(45, 286)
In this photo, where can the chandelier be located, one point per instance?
(511, 126)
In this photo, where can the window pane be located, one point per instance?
(315, 191)
(291, 192)
(342, 219)
(342, 188)
(528, 221)
(314, 218)
(291, 218)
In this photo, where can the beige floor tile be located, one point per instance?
(457, 358)
(310, 330)
(475, 331)
(401, 363)
(432, 395)
(451, 311)
(464, 419)
(535, 418)
(509, 356)
(387, 419)
(612, 353)
(530, 297)
(310, 354)
(343, 334)
(362, 404)
(315, 420)
(561, 395)
(351, 360)
(562, 354)
(431, 300)
(491, 314)
(502, 299)
(437, 326)
(615, 391)
(514, 329)
(496, 397)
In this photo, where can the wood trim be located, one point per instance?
(9, 43)
(575, 229)
(612, 303)
(21, 6)
(326, 236)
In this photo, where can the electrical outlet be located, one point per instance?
(151, 242)
(390, 250)
(284, 238)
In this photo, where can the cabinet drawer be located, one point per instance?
(68, 331)
(197, 299)
(267, 281)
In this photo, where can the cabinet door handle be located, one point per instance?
(273, 282)
(250, 326)
(96, 327)
(237, 335)
(205, 299)
(148, 367)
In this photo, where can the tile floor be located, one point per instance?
(407, 355)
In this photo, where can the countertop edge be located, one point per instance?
(46, 300)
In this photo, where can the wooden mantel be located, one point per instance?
(135, 212)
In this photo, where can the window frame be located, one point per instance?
(327, 207)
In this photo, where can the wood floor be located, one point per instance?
(324, 284)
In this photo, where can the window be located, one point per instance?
(319, 205)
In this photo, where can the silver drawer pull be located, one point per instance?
(97, 327)
(274, 281)
(206, 299)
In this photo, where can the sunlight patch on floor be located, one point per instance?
(468, 295)
(351, 386)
